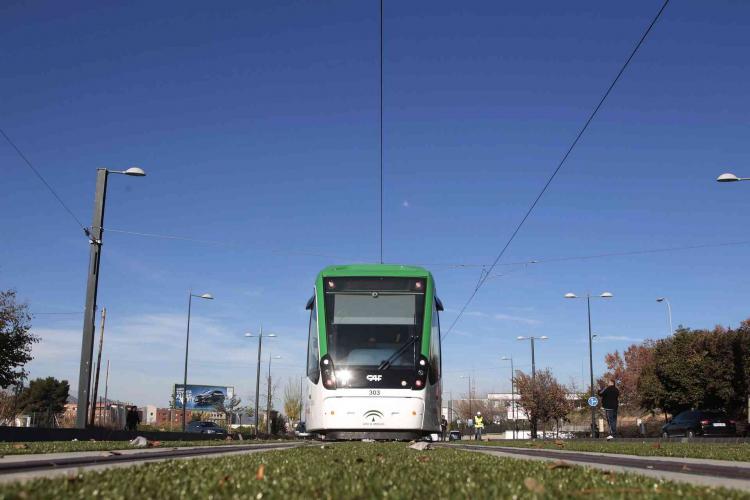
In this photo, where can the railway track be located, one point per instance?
(710, 472)
(12, 467)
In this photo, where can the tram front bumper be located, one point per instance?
(373, 413)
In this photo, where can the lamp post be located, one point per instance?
(729, 177)
(268, 409)
(604, 295)
(512, 393)
(206, 296)
(533, 372)
(94, 233)
(257, 375)
(669, 312)
(470, 414)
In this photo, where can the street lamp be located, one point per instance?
(669, 312)
(512, 393)
(94, 234)
(604, 295)
(257, 375)
(533, 372)
(205, 296)
(729, 177)
(268, 409)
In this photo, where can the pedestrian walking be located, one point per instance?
(478, 426)
(444, 428)
(610, 401)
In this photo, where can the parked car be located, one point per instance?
(693, 423)
(300, 430)
(209, 398)
(206, 428)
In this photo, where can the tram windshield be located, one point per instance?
(370, 320)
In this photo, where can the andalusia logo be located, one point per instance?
(373, 417)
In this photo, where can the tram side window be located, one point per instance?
(435, 358)
(313, 367)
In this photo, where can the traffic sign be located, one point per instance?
(593, 401)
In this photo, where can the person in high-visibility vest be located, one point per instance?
(478, 426)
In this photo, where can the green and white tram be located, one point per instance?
(373, 353)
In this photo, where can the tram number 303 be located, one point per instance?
(374, 392)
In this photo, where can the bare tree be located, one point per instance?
(292, 400)
(228, 407)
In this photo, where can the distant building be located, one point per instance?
(513, 410)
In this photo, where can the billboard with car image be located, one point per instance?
(201, 397)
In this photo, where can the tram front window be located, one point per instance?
(374, 329)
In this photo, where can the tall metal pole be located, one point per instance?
(669, 310)
(98, 366)
(106, 389)
(594, 431)
(184, 378)
(268, 407)
(92, 284)
(513, 396)
(533, 384)
(257, 384)
(470, 413)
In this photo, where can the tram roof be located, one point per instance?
(387, 270)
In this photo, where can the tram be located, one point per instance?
(373, 354)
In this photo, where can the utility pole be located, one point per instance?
(94, 234)
(87, 343)
(98, 367)
(106, 388)
(268, 407)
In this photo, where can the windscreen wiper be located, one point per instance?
(387, 363)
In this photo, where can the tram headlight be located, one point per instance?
(327, 372)
(421, 374)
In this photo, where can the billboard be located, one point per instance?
(201, 397)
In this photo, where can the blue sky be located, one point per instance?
(258, 126)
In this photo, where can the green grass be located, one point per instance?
(718, 451)
(31, 448)
(356, 470)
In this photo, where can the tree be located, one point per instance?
(46, 397)
(627, 369)
(292, 400)
(228, 407)
(16, 339)
(543, 398)
(707, 369)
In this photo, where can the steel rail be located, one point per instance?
(116, 458)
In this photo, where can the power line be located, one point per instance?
(559, 166)
(381, 131)
(41, 178)
(55, 313)
(235, 246)
(593, 256)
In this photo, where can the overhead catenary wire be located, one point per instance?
(592, 256)
(578, 136)
(226, 244)
(44, 181)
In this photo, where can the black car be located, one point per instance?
(209, 398)
(206, 428)
(693, 423)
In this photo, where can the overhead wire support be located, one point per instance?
(44, 181)
(381, 131)
(583, 129)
